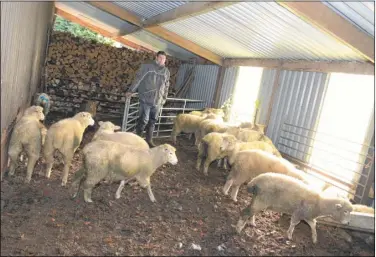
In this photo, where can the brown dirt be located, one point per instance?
(41, 219)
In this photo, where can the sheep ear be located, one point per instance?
(117, 127)
(339, 206)
(100, 123)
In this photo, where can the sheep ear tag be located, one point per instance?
(338, 206)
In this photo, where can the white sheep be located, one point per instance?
(232, 146)
(210, 125)
(282, 193)
(65, 136)
(209, 149)
(106, 132)
(106, 159)
(251, 163)
(188, 123)
(27, 135)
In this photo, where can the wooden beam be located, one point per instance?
(219, 86)
(322, 17)
(99, 30)
(271, 101)
(184, 11)
(158, 31)
(126, 30)
(353, 67)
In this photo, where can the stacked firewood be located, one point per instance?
(76, 66)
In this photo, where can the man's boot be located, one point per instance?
(149, 136)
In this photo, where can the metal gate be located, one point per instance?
(296, 143)
(166, 117)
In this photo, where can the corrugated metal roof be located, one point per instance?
(114, 24)
(155, 43)
(149, 9)
(98, 17)
(260, 30)
(360, 14)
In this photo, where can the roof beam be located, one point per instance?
(99, 30)
(184, 11)
(158, 31)
(321, 16)
(352, 67)
(126, 30)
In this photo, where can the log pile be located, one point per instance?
(78, 69)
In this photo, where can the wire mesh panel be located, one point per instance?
(295, 145)
(166, 117)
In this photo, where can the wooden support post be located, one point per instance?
(219, 86)
(274, 90)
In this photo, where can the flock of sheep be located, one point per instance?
(275, 183)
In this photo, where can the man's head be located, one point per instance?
(161, 58)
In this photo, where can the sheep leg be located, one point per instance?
(219, 163)
(293, 222)
(312, 224)
(197, 137)
(225, 163)
(78, 189)
(121, 186)
(249, 214)
(200, 156)
(49, 157)
(227, 186)
(234, 193)
(67, 161)
(32, 160)
(198, 163)
(150, 193)
(206, 165)
(13, 153)
(88, 188)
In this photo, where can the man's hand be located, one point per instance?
(128, 94)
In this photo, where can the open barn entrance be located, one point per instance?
(345, 128)
(245, 94)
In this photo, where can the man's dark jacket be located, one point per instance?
(151, 83)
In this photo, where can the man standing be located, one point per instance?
(151, 83)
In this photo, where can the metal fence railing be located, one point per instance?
(297, 144)
(167, 114)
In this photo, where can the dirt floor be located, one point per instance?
(41, 219)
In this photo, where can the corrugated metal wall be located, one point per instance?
(297, 101)
(24, 27)
(204, 83)
(228, 86)
(203, 86)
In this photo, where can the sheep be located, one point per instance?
(209, 149)
(282, 193)
(27, 135)
(103, 159)
(250, 163)
(198, 113)
(363, 209)
(65, 136)
(249, 125)
(106, 132)
(232, 146)
(188, 123)
(210, 125)
(246, 135)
